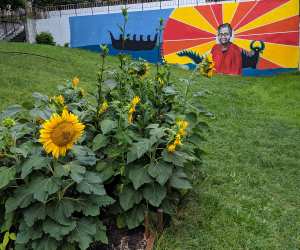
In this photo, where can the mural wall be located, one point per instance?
(90, 31)
(265, 35)
(249, 38)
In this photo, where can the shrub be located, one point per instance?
(73, 160)
(44, 38)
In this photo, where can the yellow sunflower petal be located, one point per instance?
(60, 133)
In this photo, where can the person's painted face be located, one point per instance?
(224, 36)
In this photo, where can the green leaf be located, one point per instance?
(40, 97)
(102, 201)
(129, 197)
(84, 233)
(180, 181)
(84, 155)
(154, 193)
(107, 126)
(169, 91)
(45, 187)
(12, 236)
(11, 111)
(19, 151)
(109, 84)
(138, 175)
(21, 198)
(5, 240)
(8, 222)
(56, 230)
(152, 126)
(61, 170)
(34, 213)
(101, 233)
(106, 170)
(34, 163)
(61, 210)
(138, 149)
(77, 172)
(6, 175)
(91, 184)
(99, 141)
(174, 158)
(168, 207)
(91, 205)
(46, 243)
(157, 132)
(135, 216)
(161, 171)
(25, 233)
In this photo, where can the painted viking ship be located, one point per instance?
(133, 44)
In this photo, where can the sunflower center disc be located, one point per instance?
(63, 134)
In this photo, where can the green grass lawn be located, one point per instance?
(246, 192)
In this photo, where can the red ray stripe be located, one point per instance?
(217, 9)
(266, 64)
(289, 24)
(261, 8)
(287, 38)
(207, 13)
(176, 46)
(176, 30)
(240, 12)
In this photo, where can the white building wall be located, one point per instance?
(58, 26)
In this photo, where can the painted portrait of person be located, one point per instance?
(226, 55)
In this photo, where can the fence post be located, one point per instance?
(178, 3)
(160, 4)
(108, 6)
(142, 5)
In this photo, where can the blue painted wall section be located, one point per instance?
(90, 31)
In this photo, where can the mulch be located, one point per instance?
(123, 239)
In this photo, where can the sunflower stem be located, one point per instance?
(104, 53)
(66, 188)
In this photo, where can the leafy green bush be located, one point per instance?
(44, 38)
(73, 160)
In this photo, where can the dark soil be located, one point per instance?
(123, 239)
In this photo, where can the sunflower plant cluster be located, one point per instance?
(70, 162)
(207, 66)
(52, 195)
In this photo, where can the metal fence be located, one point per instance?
(11, 24)
(111, 6)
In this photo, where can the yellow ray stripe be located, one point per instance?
(200, 49)
(284, 55)
(289, 9)
(228, 10)
(192, 17)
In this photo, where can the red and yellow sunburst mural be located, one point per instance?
(275, 23)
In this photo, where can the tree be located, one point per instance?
(14, 4)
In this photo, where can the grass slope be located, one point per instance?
(248, 197)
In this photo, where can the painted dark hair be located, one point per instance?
(225, 25)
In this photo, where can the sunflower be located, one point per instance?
(207, 66)
(104, 106)
(171, 148)
(60, 133)
(75, 81)
(143, 70)
(58, 99)
(136, 100)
